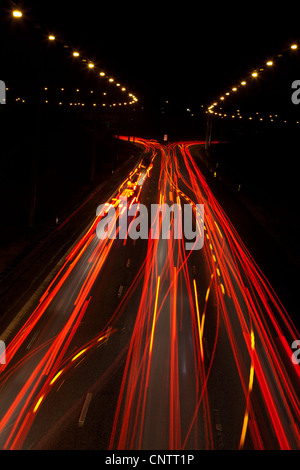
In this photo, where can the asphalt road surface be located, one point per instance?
(146, 344)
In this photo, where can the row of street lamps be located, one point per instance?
(254, 74)
(90, 64)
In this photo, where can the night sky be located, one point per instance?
(186, 52)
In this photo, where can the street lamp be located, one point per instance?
(17, 14)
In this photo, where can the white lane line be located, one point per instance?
(84, 410)
(32, 340)
(120, 291)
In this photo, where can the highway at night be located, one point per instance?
(145, 344)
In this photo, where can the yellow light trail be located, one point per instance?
(38, 404)
(79, 354)
(250, 385)
(56, 377)
(154, 315)
(200, 324)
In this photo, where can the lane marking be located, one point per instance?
(84, 410)
(120, 290)
(32, 340)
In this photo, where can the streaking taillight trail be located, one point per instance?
(201, 315)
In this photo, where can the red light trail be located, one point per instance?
(207, 321)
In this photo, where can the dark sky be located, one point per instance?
(181, 51)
